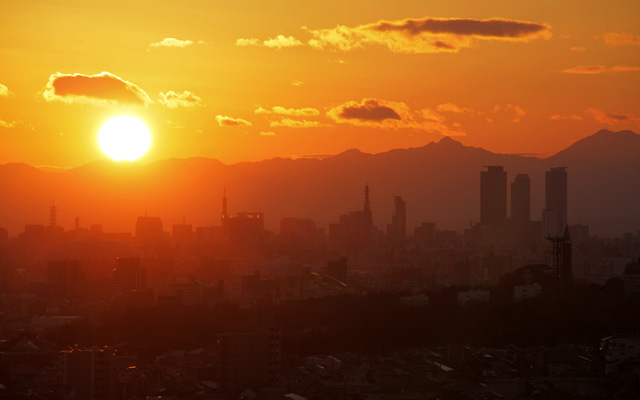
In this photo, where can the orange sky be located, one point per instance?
(248, 80)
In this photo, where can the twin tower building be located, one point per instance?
(493, 200)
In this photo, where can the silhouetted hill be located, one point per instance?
(604, 178)
(439, 182)
(604, 145)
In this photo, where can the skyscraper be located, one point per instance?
(396, 230)
(368, 216)
(493, 196)
(149, 233)
(555, 207)
(521, 199)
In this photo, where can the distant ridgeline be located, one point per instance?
(439, 183)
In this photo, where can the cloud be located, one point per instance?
(4, 91)
(623, 68)
(297, 83)
(431, 116)
(242, 42)
(454, 108)
(609, 118)
(372, 112)
(431, 121)
(228, 121)
(426, 35)
(617, 39)
(281, 41)
(103, 88)
(450, 107)
(288, 111)
(384, 114)
(599, 69)
(172, 42)
(278, 42)
(292, 123)
(586, 69)
(578, 49)
(5, 124)
(270, 133)
(558, 117)
(172, 99)
(515, 109)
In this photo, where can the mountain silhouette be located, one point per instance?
(440, 182)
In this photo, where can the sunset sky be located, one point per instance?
(248, 80)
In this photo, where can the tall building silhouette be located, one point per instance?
(243, 230)
(396, 231)
(555, 206)
(493, 196)
(521, 199)
(368, 216)
(53, 215)
(149, 232)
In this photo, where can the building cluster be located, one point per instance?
(251, 365)
(505, 258)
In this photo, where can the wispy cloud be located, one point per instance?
(426, 35)
(173, 99)
(268, 133)
(278, 42)
(610, 118)
(242, 42)
(172, 42)
(297, 83)
(559, 117)
(292, 123)
(281, 41)
(514, 110)
(578, 49)
(599, 69)
(288, 111)
(617, 39)
(4, 91)
(104, 88)
(454, 108)
(5, 124)
(229, 121)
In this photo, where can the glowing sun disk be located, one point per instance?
(124, 138)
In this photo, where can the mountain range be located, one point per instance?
(440, 182)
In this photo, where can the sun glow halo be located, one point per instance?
(124, 138)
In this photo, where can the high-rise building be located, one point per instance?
(149, 231)
(368, 216)
(521, 199)
(555, 207)
(244, 230)
(493, 196)
(397, 230)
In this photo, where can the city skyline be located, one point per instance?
(289, 200)
(244, 82)
(447, 168)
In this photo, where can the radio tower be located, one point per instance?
(53, 215)
(368, 219)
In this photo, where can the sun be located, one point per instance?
(124, 138)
